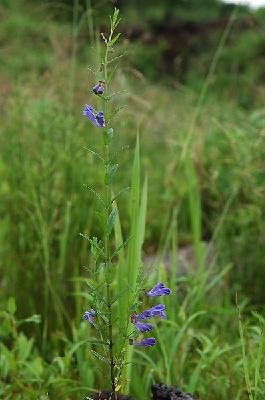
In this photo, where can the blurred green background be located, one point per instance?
(194, 82)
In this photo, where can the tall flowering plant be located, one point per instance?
(116, 333)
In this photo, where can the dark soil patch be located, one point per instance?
(159, 392)
(163, 392)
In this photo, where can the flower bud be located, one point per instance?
(99, 88)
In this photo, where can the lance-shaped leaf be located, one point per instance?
(112, 171)
(120, 193)
(111, 219)
(121, 294)
(118, 109)
(97, 244)
(114, 40)
(96, 249)
(111, 75)
(117, 57)
(95, 193)
(121, 246)
(108, 135)
(94, 153)
(100, 357)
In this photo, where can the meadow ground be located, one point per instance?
(204, 158)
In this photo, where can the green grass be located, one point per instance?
(213, 199)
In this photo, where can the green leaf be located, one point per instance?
(101, 219)
(118, 109)
(108, 98)
(36, 319)
(114, 40)
(121, 246)
(94, 153)
(119, 193)
(133, 249)
(84, 295)
(115, 19)
(110, 273)
(121, 274)
(98, 342)
(193, 381)
(112, 171)
(60, 362)
(111, 219)
(75, 348)
(11, 305)
(108, 135)
(125, 290)
(96, 249)
(116, 59)
(103, 316)
(111, 75)
(24, 347)
(100, 357)
(95, 244)
(95, 193)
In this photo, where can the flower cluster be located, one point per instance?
(159, 310)
(136, 319)
(97, 118)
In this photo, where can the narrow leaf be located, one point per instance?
(121, 246)
(94, 153)
(119, 193)
(100, 357)
(125, 290)
(112, 172)
(112, 73)
(118, 109)
(114, 40)
(117, 58)
(111, 219)
(95, 193)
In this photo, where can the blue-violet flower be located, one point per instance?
(96, 117)
(90, 316)
(145, 342)
(152, 312)
(158, 290)
(143, 326)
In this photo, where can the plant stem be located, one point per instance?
(107, 196)
(107, 263)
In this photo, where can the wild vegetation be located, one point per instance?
(201, 164)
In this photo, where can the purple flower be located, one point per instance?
(99, 88)
(143, 326)
(96, 117)
(158, 290)
(152, 312)
(145, 342)
(90, 316)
